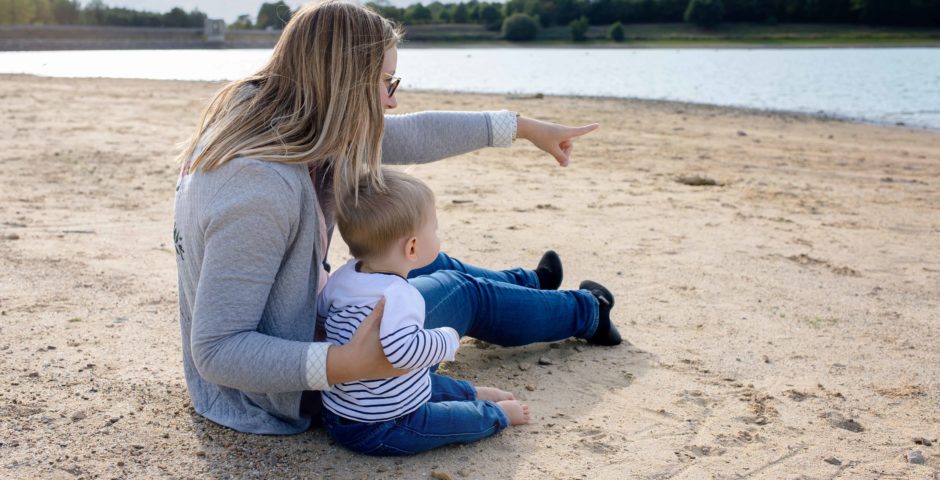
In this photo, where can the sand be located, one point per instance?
(784, 322)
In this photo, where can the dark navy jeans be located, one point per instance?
(453, 415)
(502, 307)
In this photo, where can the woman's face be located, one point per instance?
(389, 64)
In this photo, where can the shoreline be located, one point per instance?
(796, 115)
(69, 45)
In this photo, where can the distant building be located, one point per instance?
(214, 30)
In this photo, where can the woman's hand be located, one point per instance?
(362, 357)
(557, 140)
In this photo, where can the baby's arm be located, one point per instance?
(405, 341)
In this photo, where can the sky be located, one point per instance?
(225, 9)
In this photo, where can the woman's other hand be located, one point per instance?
(557, 140)
(362, 357)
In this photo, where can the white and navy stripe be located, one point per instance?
(347, 300)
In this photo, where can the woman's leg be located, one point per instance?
(515, 276)
(502, 313)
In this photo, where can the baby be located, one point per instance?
(390, 233)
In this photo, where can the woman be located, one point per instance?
(254, 209)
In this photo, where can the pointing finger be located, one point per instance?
(579, 131)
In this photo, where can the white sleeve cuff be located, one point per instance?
(452, 346)
(316, 366)
(503, 125)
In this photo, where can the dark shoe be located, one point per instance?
(606, 333)
(549, 271)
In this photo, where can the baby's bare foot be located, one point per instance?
(517, 412)
(493, 394)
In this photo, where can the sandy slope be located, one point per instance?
(770, 316)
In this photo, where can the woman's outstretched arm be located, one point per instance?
(429, 136)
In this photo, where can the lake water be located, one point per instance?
(896, 85)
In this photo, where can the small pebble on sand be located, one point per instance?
(923, 441)
(838, 421)
(916, 457)
(833, 461)
(440, 475)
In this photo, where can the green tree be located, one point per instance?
(43, 13)
(66, 12)
(243, 22)
(520, 27)
(438, 14)
(491, 16)
(513, 6)
(579, 29)
(616, 32)
(668, 10)
(93, 12)
(705, 13)
(828, 10)
(568, 10)
(600, 12)
(418, 13)
(747, 10)
(898, 12)
(18, 12)
(176, 17)
(391, 12)
(273, 15)
(461, 13)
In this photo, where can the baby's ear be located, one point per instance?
(411, 248)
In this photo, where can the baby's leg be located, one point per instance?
(437, 424)
(517, 411)
(493, 394)
(445, 389)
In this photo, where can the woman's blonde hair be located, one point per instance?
(377, 216)
(316, 100)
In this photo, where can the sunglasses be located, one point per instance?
(393, 83)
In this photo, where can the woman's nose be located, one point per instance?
(390, 103)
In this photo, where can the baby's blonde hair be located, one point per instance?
(376, 216)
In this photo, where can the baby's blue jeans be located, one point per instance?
(453, 415)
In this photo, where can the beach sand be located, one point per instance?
(784, 322)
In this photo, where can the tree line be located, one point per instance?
(550, 13)
(95, 12)
(546, 13)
